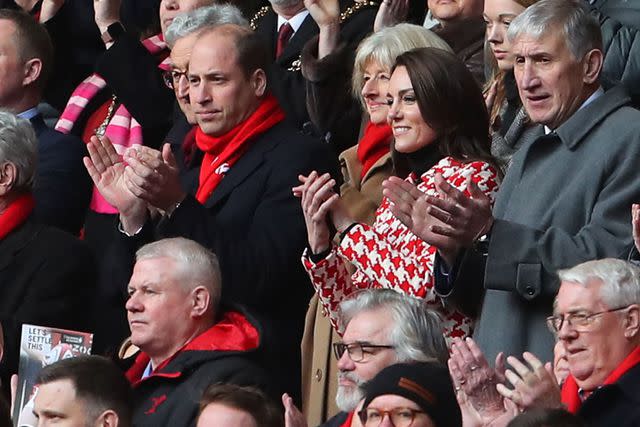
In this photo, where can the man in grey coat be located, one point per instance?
(565, 199)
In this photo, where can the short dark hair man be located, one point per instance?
(63, 188)
(83, 391)
(187, 340)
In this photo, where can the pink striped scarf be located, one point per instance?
(123, 130)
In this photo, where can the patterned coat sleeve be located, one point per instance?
(331, 280)
(388, 255)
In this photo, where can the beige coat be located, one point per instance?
(319, 370)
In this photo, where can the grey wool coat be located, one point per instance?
(565, 199)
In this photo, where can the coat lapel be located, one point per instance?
(249, 162)
(15, 241)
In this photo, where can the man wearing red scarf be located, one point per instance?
(239, 201)
(596, 317)
(47, 276)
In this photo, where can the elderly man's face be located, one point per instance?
(159, 308)
(11, 67)
(180, 55)
(593, 352)
(56, 404)
(222, 96)
(367, 327)
(452, 10)
(169, 9)
(550, 80)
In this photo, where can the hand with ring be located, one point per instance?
(533, 385)
(475, 381)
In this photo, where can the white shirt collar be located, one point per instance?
(295, 22)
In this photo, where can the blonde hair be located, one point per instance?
(386, 45)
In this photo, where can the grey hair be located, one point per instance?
(620, 280)
(198, 266)
(203, 17)
(386, 45)
(417, 332)
(579, 28)
(19, 146)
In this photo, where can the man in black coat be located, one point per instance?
(240, 203)
(63, 187)
(187, 340)
(47, 275)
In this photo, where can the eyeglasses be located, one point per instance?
(172, 78)
(357, 351)
(581, 322)
(400, 417)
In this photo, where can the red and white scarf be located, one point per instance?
(123, 130)
(222, 152)
(16, 214)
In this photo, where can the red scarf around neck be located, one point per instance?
(373, 145)
(15, 214)
(221, 152)
(570, 396)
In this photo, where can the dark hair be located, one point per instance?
(252, 51)
(546, 418)
(98, 383)
(32, 41)
(247, 399)
(450, 102)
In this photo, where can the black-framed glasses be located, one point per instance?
(357, 351)
(581, 322)
(172, 78)
(400, 417)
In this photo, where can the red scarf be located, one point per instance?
(15, 214)
(222, 152)
(373, 145)
(347, 422)
(570, 396)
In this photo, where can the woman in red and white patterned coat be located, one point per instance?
(440, 127)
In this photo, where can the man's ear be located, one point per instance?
(632, 322)
(201, 300)
(108, 418)
(8, 174)
(32, 71)
(592, 64)
(258, 82)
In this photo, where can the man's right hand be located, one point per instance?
(106, 169)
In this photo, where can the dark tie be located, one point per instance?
(284, 34)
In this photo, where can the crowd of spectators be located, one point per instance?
(337, 213)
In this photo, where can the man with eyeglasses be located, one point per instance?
(596, 317)
(381, 328)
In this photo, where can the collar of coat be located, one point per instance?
(583, 121)
(232, 333)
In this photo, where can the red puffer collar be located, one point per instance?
(234, 332)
